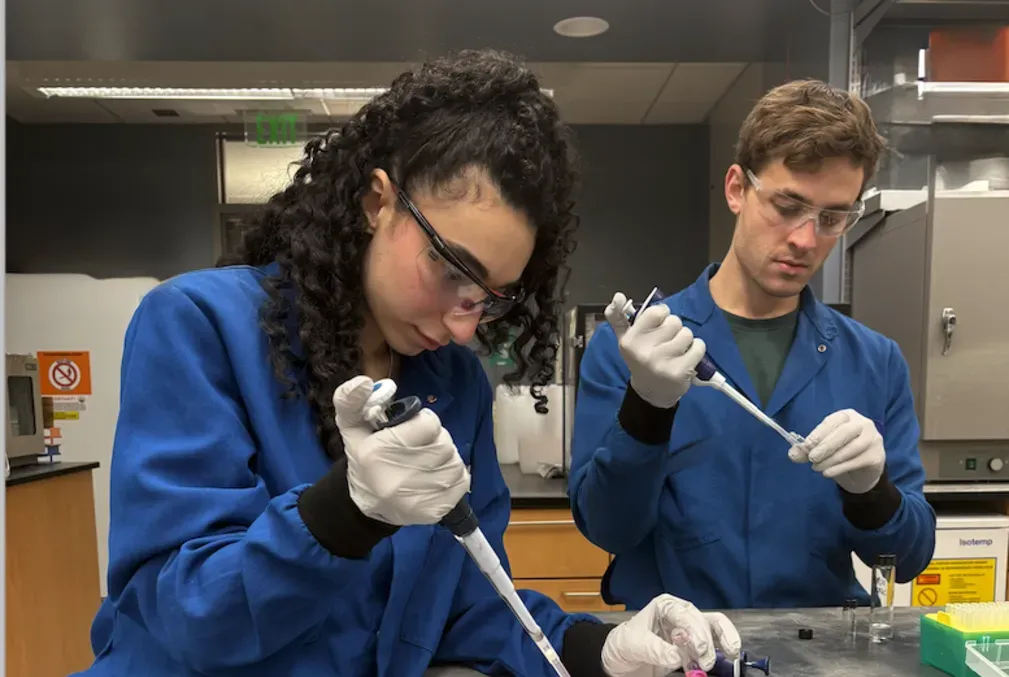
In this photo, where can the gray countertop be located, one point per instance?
(829, 654)
(532, 491)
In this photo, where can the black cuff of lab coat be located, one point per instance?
(873, 509)
(334, 519)
(582, 652)
(642, 421)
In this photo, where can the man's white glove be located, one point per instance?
(660, 352)
(407, 474)
(643, 646)
(847, 448)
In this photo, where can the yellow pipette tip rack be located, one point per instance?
(946, 633)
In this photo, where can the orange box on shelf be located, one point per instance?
(979, 54)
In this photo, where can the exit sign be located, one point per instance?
(276, 128)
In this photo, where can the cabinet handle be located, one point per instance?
(948, 328)
(543, 523)
(581, 594)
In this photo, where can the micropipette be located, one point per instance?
(707, 374)
(382, 412)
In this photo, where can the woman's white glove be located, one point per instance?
(407, 474)
(643, 646)
(659, 351)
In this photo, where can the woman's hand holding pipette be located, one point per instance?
(659, 351)
(651, 643)
(847, 448)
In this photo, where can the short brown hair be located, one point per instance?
(805, 122)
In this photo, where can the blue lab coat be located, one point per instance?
(212, 570)
(720, 515)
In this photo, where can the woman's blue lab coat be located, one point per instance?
(212, 570)
(720, 515)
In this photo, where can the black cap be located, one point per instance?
(805, 633)
(886, 560)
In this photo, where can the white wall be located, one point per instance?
(724, 121)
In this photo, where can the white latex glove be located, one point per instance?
(847, 448)
(660, 352)
(407, 474)
(643, 646)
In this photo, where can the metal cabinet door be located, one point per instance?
(967, 382)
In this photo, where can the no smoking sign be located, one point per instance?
(66, 373)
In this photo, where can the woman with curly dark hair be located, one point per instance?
(260, 525)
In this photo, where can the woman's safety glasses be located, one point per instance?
(792, 212)
(442, 269)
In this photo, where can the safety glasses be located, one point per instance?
(792, 212)
(462, 290)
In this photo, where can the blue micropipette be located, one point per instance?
(707, 374)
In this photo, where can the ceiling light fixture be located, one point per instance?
(348, 94)
(581, 27)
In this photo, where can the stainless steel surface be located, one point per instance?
(831, 653)
(967, 391)
(966, 488)
(934, 278)
(25, 432)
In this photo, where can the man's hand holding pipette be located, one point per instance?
(659, 351)
(847, 448)
(650, 643)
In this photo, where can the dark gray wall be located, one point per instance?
(125, 200)
(110, 200)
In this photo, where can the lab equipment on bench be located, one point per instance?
(882, 599)
(964, 640)
(723, 666)
(707, 374)
(383, 411)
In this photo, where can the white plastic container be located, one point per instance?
(969, 564)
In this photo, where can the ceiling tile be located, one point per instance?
(697, 82)
(603, 112)
(605, 81)
(676, 113)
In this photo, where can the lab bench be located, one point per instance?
(829, 653)
(53, 588)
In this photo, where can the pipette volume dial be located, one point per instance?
(382, 411)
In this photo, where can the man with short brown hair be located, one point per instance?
(715, 507)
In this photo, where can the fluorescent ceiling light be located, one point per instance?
(581, 27)
(361, 94)
(191, 93)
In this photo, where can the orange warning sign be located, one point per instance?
(65, 373)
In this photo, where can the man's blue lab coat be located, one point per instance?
(720, 515)
(212, 570)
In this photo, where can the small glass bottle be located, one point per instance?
(881, 612)
(849, 613)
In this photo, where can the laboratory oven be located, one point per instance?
(928, 264)
(937, 282)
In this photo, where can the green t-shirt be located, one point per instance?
(764, 346)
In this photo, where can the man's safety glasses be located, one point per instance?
(792, 212)
(442, 269)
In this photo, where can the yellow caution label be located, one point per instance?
(67, 415)
(955, 581)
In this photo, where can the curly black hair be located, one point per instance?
(475, 109)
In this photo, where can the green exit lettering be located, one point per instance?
(275, 128)
(281, 129)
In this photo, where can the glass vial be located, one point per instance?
(849, 613)
(881, 612)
